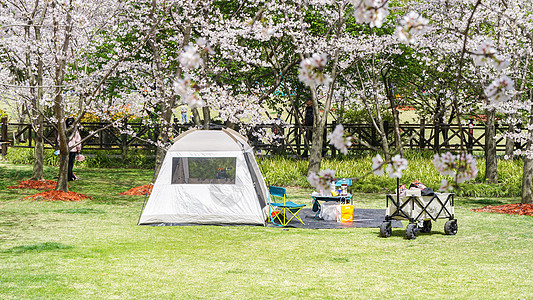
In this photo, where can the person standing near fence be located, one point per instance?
(184, 114)
(75, 147)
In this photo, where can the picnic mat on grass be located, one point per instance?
(362, 218)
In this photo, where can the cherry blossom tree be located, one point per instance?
(496, 36)
(48, 46)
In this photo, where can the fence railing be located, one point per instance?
(296, 139)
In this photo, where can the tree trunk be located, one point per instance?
(527, 184)
(38, 157)
(207, 117)
(62, 181)
(196, 117)
(319, 121)
(62, 54)
(509, 142)
(382, 133)
(167, 107)
(38, 151)
(166, 128)
(315, 157)
(491, 163)
(527, 176)
(159, 157)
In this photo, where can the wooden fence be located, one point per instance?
(414, 136)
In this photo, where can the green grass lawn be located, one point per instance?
(94, 250)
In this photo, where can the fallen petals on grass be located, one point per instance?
(57, 196)
(35, 184)
(515, 209)
(139, 191)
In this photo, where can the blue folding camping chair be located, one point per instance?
(282, 211)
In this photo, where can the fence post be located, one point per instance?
(373, 133)
(422, 133)
(3, 135)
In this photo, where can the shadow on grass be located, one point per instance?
(482, 202)
(400, 233)
(48, 246)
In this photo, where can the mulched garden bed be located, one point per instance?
(515, 209)
(35, 184)
(57, 196)
(139, 191)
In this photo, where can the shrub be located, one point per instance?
(290, 172)
(94, 158)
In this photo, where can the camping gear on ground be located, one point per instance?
(417, 184)
(419, 205)
(419, 211)
(346, 213)
(282, 211)
(208, 177)
(412, 192)
(317, 206)
(427, 192)
(329, 211)
(345, 185)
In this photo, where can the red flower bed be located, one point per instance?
(515, 209)
(35, 184)
(404, 108)
(57, 196)
(139, 191)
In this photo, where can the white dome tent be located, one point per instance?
(208, 177)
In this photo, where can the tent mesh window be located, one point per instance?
(203, 170)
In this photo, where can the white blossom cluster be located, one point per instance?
(339, 140)
(412, 24)
(486, 53)
(372, 12)
(311, 71)
(394, 168)
(498, 90)
(190, 58)
(322, 180)
(462, 167)
(186, 89)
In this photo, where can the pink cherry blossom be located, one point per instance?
(312, 70)
(372, 12)
(411, 25)
(189, 58)
(377, 165)
(498, 90)
(339, 140)
(321, 181)
(396, 166)
(461, 167)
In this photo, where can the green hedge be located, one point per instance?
(93, 159)
(291, 172)
(284, 171)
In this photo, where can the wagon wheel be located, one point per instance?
(426, 227)
(385, 229)
(450, 228)
(410, 231)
